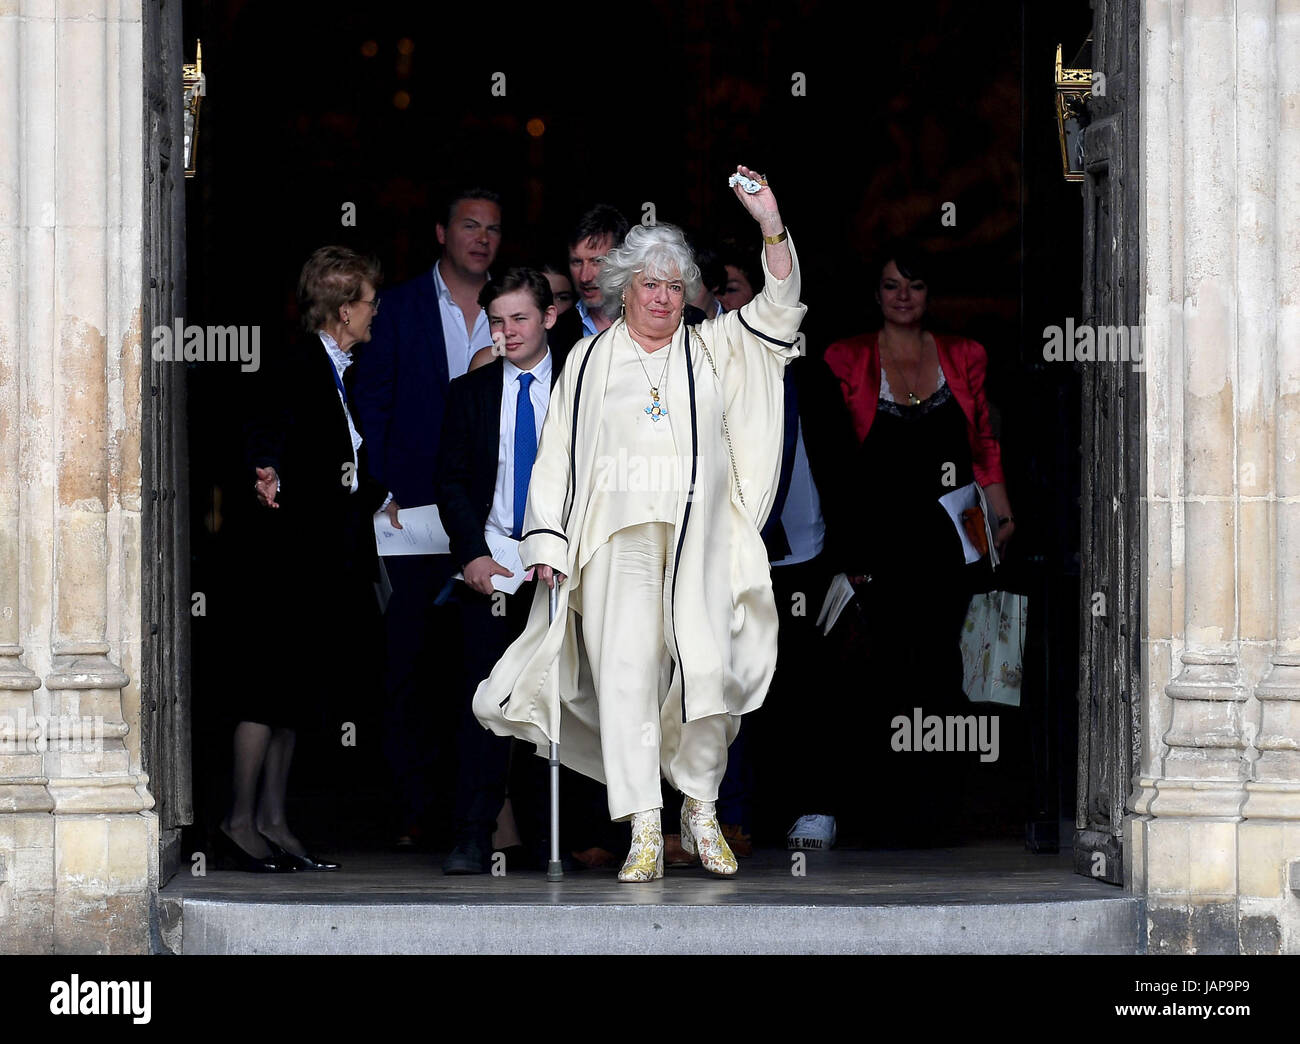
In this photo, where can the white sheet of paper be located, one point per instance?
(955, 503)
(504, 551)
(421, 533)
(838, 595)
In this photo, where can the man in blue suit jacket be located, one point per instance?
(423, 338)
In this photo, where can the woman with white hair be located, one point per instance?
(656, 468)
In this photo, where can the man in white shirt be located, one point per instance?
(470, 240)
(421, 340)
(597, 232)
(802, 771)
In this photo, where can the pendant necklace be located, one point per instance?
(912, 398)
(656, 410)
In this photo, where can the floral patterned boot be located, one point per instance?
(701, 833)
(645, 859)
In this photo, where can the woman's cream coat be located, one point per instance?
(720, 620)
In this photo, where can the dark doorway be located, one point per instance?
(873, 120)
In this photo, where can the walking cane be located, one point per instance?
(554, 869)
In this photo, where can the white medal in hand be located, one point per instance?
(748, 184)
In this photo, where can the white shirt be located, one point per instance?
(588, 324)
(501, 519)
(342, 360)
(460, 345)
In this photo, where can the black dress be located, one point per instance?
(915, 602)
(307, 565)
(912, 456)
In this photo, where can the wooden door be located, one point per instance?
(165, 603)
(1111, 566)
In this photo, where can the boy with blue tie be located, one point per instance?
(485, 456)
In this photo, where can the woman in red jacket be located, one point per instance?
(911, 367)
(922, 421)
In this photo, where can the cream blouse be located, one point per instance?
(638, 472)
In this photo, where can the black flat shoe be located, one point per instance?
(468, 857)
(303, 863)
(228, 847)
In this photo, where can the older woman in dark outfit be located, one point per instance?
(921, 417)
(313, 546)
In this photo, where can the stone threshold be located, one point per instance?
(987, 899)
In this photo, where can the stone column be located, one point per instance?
(1270, 837)
(1211, 180)
(74, 168)
(26, 828)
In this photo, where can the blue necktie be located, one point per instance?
(525, 448)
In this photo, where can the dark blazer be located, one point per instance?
(468, 452)
(566, 332)
(829, 442)
(398, 387)
(296, 425)
(306, 566)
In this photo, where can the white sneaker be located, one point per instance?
(812, 832)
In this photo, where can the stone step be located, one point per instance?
(953, 901)
(1090, 926)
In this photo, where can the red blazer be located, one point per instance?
(856, 362)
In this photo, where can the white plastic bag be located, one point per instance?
(993, 648)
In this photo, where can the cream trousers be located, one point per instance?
(623, 606)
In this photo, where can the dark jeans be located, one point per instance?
(736, 791)
(798, 761)
(422, 682)
(489, 625)
(489, 766)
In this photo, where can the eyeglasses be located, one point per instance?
(372, 302)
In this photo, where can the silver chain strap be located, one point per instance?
(726, 432)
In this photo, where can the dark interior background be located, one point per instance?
(389, 106)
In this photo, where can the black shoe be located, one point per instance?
(469, 857)
(228, 847)
(304, 863)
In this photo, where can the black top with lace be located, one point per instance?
(911, 457)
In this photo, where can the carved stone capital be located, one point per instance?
(1270, 800)
(1206, 737)
(84, 665)
(1197, 799)
(1278, 738)
(16, 676)
(90, 771)
(100, 794)
(22, 777)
